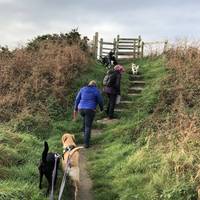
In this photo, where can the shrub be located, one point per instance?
(43, 70)
(39, 124)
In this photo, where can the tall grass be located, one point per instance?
(152, 154)
(34, 79)
(21, 152)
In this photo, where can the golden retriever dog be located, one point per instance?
(71, 159)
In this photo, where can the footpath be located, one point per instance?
(136, 86)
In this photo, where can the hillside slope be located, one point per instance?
(152, 154)
(22, 150)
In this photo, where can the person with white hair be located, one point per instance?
(86, 102)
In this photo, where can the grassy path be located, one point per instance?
(85, 192)
(85, 189)
(85, 186)
(23, 151)
(120, 167)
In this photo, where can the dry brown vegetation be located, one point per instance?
(180, 95)
(29, 76)
(177, 116)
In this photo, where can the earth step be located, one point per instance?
(96, 132)
(136, 89)
(137, 83)
(126, 102)
(119, 110)
(133, 94)
(136, 77)
(107, 121)
(131, 73)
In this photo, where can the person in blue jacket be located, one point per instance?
(86, 102)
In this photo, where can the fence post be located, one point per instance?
(165, 46)
(139, 47)
(96, 45)
(100, 47)
(117, 45)
(142, 50)
(92, 45)
(114, 45)
(134, 48)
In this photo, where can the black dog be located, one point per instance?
(109, 60)
(47, 165)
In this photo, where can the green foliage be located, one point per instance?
(39, 124)
(15, 190)
(71, 38)
(21, 151)
(55, 109)
(129, 163)
(181, 192)
(20, 155)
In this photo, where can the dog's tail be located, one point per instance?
(44, 154)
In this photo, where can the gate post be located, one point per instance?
(114, 45)
(100, 47)
(165, 46)
(96, 45)
(134, 49)
(139, 47)
(117, 45)
(142, 50)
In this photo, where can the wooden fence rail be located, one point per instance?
(128, 48)
(155, 47)
(124, 48)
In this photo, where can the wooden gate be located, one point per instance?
(124, 48)
(106, 47)
(129, 48)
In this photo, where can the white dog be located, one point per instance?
(135, 68)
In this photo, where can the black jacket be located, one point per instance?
(114, 86)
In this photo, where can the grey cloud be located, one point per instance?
(153, 19)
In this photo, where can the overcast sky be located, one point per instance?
(21, 20)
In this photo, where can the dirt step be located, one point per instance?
(107, 121)
(133, 94)
(96, 132)
(131, 73)
(125, 102)
(138, 83)
(136, 89)
(120, 110)
(136, 77)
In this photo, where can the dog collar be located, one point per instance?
(68, 148)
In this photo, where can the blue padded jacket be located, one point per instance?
(88, 98)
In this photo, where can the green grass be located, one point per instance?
(128, 166)
(21, 150)
(126, 163)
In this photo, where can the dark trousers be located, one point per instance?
(88, 117)
(111, 105)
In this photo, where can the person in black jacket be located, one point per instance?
(113, 89)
